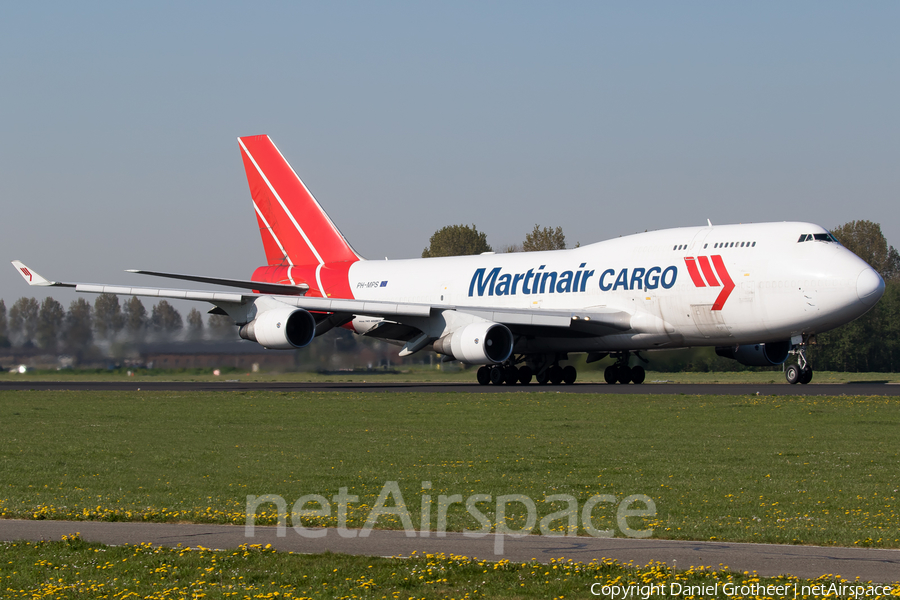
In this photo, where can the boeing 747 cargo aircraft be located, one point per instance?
(756, 292)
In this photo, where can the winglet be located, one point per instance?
(32, 277)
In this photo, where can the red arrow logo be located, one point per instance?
(27, 272)
(726, 283)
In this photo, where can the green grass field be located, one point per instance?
(74, 569)
(802, 470)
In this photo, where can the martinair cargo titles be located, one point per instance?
(756, 292)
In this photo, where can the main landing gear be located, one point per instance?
(801, 372)
(548, 371)
(622, 373)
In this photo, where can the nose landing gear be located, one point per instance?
(801, 372)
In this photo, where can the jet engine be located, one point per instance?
(757, 355)
(482, 343)
(281, 328)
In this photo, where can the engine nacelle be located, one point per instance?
(757, 355)
(281, 328)
(482, 343)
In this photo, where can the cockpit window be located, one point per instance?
(817, 237)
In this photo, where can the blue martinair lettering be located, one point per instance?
(482, 283)
(539, 281)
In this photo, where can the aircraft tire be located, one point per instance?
(543, 377)
(806, 376)
(611, 375)
(569, 374)
(638, 375)
(793, 374)
(497, 377)
(483, 375)
(623, 374)
(510, 375)
(556, 374)
(525, 375)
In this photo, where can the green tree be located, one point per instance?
(545, 238)
(195, 324)
(222, 327)
(165, 318)
(135, 317)
(22, 322)
(49, 324)
(864, 238)
(4, 330)
(79, 327)
(456, 240)
(108, 317)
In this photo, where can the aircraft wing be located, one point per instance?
(591, 321)
(335, 305)
(33, 278)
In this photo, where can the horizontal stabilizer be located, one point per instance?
(266, 288)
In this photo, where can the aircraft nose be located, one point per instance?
(869, 286)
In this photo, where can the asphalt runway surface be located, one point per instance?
(695, 389)
(878, 565)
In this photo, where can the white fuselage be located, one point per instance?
(672, 283)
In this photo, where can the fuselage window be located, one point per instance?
(754, 244)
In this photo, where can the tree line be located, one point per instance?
(48, 326)
(463, 240)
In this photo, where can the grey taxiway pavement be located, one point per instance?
(701, 389)
(869, 564)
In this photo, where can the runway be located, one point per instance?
(697, 389)
(878, 565)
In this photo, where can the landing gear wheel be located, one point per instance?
(569, 374)
(623, 373)
(793, 374)
(510, 375)
(611, 374)
(525, 375)
(556, 374)
(638, 374)
(483, 375)
(497, 375)
(801, 372)
(543, 377)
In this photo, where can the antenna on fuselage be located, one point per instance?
(709, 222)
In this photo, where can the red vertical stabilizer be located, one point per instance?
(294, 228)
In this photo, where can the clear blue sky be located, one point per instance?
(119, 123)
